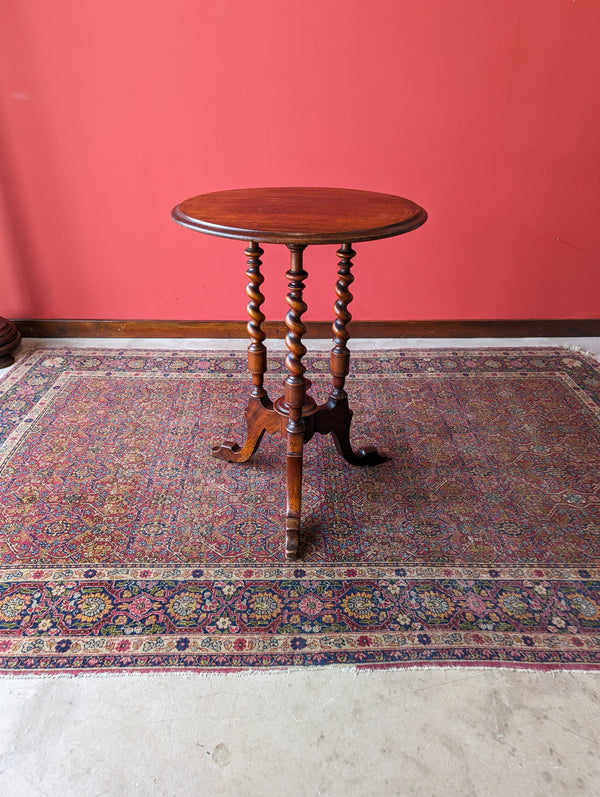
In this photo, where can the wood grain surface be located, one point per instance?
(300, 215)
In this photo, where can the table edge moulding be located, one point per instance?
(298, 217)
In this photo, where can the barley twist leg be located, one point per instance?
(295, 394)
(260, 417)
(335, 416)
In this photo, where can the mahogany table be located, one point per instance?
(298, 217)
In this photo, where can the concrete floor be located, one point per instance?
(324, 731)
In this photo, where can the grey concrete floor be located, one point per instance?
(325, 731)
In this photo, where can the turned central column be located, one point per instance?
(295, 396)
(295, 384)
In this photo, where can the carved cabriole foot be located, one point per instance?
(260, 418)
(335, 418)
(10, 337)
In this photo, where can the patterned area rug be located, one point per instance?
(125, 545)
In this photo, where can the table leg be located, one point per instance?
(336, 416)
(260, 417)
(295, 395)
(257, 353)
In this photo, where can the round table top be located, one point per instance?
(300, 215)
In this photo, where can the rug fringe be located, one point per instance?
(580, 350)
(360, 671)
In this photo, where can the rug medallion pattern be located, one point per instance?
(125, 545)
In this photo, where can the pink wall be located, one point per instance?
(486, 113)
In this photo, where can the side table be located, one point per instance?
(298, 217)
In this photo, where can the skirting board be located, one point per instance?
(525, 328)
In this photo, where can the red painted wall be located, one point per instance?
(486, 113)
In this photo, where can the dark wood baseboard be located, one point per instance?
(504, 328)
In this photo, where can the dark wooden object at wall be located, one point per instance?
(298, 217)
(10, 337)
(148, 328)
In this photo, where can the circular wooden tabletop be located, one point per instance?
(300, 215)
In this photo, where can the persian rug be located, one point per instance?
(125, 546)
